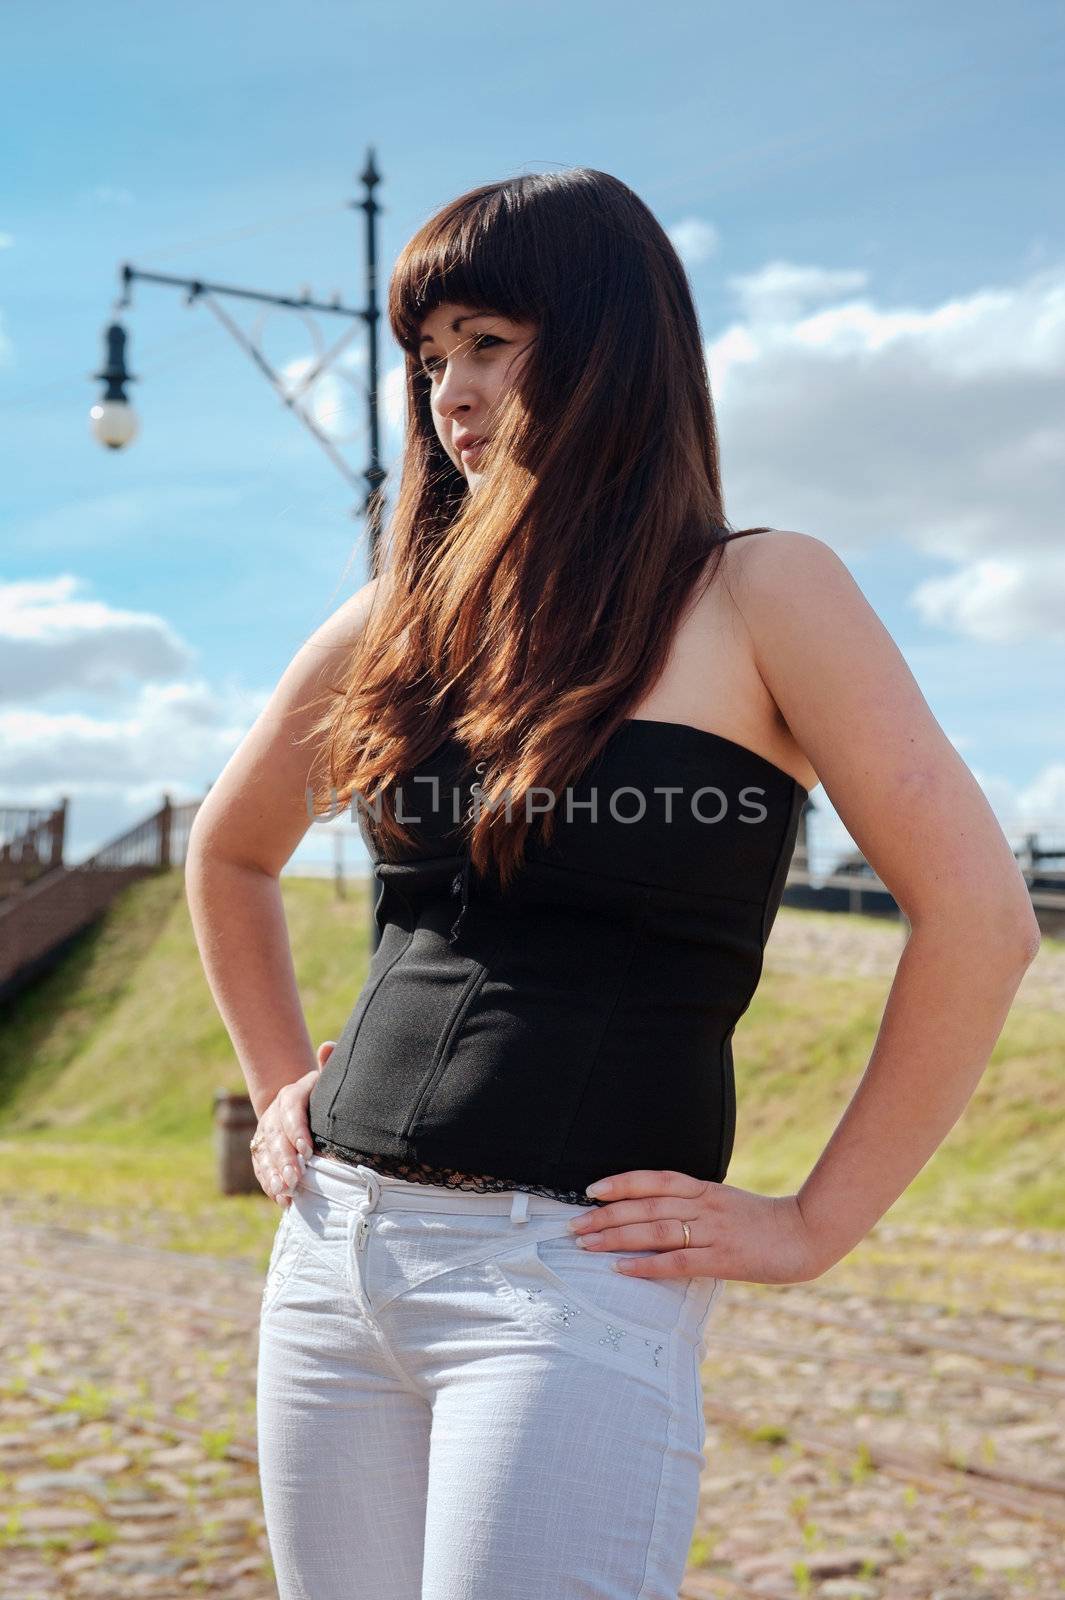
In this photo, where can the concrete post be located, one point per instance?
(234, 1124)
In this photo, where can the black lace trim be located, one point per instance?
(447, 1177)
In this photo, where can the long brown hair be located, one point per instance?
(528, 619)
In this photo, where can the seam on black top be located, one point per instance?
(637, 932)
(365, 999)
(770, 894)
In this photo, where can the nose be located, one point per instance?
(456, 387)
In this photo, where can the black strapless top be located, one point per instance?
(579, 1024)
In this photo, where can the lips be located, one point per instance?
(468, 441)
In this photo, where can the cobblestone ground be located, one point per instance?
(127, 1429)
(894, 1430)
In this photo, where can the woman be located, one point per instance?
(457, 1394)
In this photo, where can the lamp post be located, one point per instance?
(115, 424)
(113, 419)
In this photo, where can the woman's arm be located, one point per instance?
(251, 821)
(921, 820)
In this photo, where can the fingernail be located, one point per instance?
(303, 1147)
(600, 1188)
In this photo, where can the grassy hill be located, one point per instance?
(109, 1065)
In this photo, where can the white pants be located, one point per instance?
(456, 1402)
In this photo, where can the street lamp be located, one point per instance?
(112, 419)
(114, 422)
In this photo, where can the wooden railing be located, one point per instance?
(38, 920)
(160, 840)
(31, 844)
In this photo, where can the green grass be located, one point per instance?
(109, 1066)
(800, 1051)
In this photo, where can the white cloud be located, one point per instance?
(335, 400)
(162, 729)
(694, 240)
(173, 738)
(1042, 802)
(7, 241)
(780, 290)
(941, 428)
(997, 600)
(52, 639)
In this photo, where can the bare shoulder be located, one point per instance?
(853, 706)
(344, 626)
(785, 583)
(774, 559)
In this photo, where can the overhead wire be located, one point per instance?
(247, 231)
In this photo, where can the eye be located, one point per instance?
(480, 341)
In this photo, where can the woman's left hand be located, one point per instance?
(755, 1238)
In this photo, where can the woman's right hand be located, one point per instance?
(286, 1135)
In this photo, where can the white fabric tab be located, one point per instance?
(519, 1210)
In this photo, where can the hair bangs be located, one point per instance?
(469, 254)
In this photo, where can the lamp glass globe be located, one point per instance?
(114, 423)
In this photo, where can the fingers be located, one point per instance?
(279, 1160)
(267, 1178)
(673, 1254)
(667, 1264)
(620, 1213)
(662, 1233)
(294, 1106)
(278, 1163)
(646, 1182)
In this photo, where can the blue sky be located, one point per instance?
(867, 199)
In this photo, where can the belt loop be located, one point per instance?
(361, 1213)
(373, 1187)
(519, 1208)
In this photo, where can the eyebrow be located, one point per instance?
(469, 317)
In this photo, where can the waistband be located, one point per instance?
(349, 1184)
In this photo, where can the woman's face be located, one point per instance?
(472, 359)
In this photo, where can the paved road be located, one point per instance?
(808, 1390)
